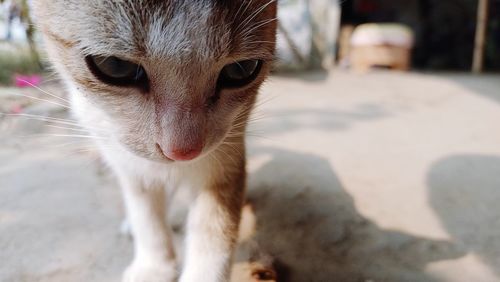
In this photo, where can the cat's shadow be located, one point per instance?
(309, 223)
(464, 193)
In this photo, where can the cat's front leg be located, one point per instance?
(154, 259)
(212, 230)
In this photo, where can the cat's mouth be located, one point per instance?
(160, 151)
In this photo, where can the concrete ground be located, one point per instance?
(374, 177)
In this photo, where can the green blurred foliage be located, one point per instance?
(17, 60)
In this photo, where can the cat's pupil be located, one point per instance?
(240, 70)
(239, 74)
(117, 68)
(118, 72)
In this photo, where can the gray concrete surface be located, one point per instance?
(375, 177)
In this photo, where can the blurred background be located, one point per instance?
(374, 152)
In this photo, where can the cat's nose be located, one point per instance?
(183, 153)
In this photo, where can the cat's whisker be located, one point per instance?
(73, 125)
(213, 156)
(261, 102)
(67, 128)
(244, 133)
(255, 108)
(254, 14)
(67, 144)
(232, 147)
(258, 25)
(73, 148)
(70, 126)
(51, 120)
(62, 122)
(219, 149)
(244, 11)
(235, 142)
(79, 152)
(51, 79)
(261, 117)
(255, 116)
(237, 134)
(50, 74)
(44, 91)
(260, 42)
(259, 114)
(67, 135)
(92, 149)
(31, 116)
(240, 117)
(251, 120)
(261, 137)
(43, 100)
(238, 127)
(84, 150)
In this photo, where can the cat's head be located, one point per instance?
(171, 78)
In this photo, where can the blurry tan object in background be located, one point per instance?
(345, 44)
(381, 45)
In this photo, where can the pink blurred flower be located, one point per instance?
(27, 80)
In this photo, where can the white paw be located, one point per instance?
(139, 272)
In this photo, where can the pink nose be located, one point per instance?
(183, 154)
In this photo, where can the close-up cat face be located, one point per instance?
(167, 80)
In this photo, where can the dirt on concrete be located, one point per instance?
(375, 177)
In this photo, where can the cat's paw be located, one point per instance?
(139, 272)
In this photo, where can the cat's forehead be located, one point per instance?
(168, 28)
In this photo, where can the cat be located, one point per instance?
(166, 87)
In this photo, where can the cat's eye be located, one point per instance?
(115, 71)
(239, 74)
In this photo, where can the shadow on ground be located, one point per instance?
(285, 121)
(484, 85)
(465, 194)
(309, 222)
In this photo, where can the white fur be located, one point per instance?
(207, 256)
